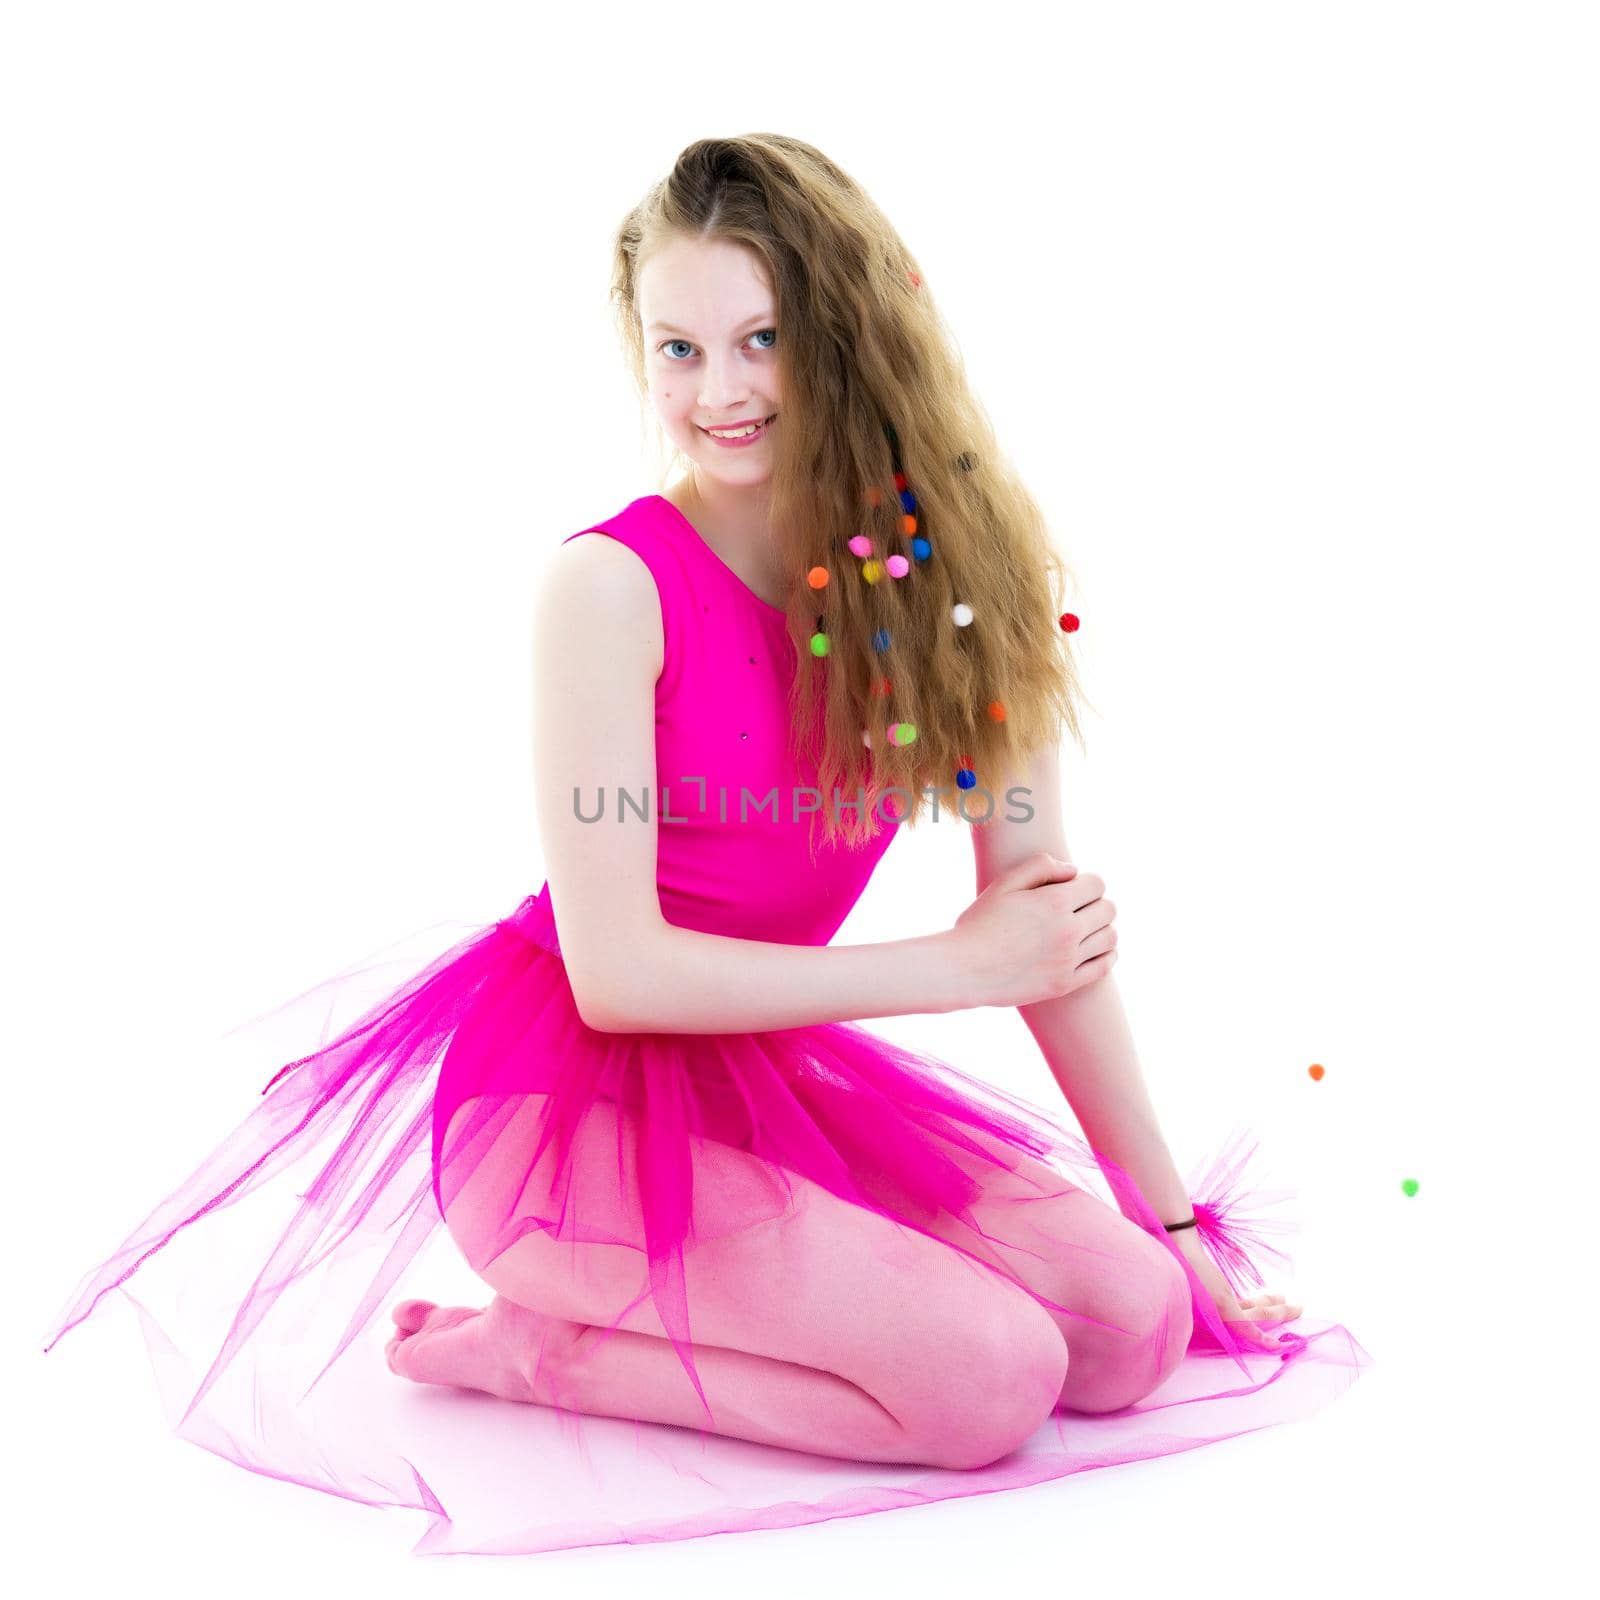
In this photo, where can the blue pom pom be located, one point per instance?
(880, 640)
(965, 778)
(921, 549)
(908, 501)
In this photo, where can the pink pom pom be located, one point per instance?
(861, 545)
(1227, 1213)
(898, 566)
(1231, 1228)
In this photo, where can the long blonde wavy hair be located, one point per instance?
(867, 365)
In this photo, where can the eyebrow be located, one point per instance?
(765, 319)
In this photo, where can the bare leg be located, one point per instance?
(1132, 1299)
(521, 1354)
(828, 1328)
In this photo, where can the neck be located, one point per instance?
(736, 523)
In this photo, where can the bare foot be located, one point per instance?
(497, 1349)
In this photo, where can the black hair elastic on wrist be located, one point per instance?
(1172, 1227)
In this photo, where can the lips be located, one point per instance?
(757, 434)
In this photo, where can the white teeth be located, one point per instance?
(736, 433)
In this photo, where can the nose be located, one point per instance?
(724, 385)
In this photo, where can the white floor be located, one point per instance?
(1287, 316)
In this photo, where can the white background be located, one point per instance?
(1287, 314)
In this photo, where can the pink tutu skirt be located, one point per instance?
(260, 1279)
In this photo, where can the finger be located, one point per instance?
(1247, 1333)
(1088, 888)
(1273, 1313)
(1037, 871)
(1084, 890)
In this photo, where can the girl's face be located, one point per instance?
(710, 341)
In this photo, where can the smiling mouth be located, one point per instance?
(719, 434)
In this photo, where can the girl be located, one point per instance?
(843, 1274)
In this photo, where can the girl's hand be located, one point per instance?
(1246, 1318)
(1041, 929)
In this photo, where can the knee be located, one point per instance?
(1154, 1315)
(1169, 1319)
(1005, 1378)
(1179, 1317)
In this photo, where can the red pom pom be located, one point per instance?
(1069, 623)
(899, 480)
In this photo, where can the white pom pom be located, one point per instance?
(962, 614)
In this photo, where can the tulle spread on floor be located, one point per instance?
(259, 1282)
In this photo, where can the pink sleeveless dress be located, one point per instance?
(262, 1274)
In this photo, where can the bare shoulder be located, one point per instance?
(597, 596)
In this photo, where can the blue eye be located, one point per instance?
(759, 333)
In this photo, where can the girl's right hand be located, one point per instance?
(1041, 929)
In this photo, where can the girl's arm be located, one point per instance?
(598, 653)
(1084, 1035)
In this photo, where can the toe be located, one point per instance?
(441, 1352)
(409, 1315)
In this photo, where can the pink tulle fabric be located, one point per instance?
(259, 1280)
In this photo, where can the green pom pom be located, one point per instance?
(819, 644)
(1409, 1185)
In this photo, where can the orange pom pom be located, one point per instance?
(1315, 1069)
(817, 577)
(909, 523)
(997, 711)
(874, 495)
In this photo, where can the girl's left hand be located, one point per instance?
(1245, 1317)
